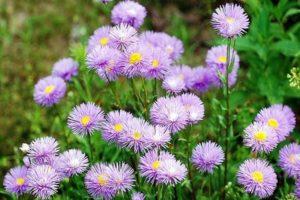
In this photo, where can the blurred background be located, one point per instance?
(34, 34)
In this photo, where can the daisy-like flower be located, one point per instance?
(193, 106)
(278, 117)
(43, 181)
(49, 91)
(134, 135)
(100, 37)
(151, 162)
(230, 20)
(121, 177)
(128, 12)
(201, 79)
(170, 113)
(135, 59)
(113, 126)
(43, 150)
(257, 177)
(289, 157)
(85, 119)
(207, 156)
(97, 182)
(15, 181)
(158, 136)
(65, 68)
(72, 162)
(122, 36)
(260, 137)
(137, 196)
(216, 60)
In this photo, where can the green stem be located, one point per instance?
(187, 135)
(135, 93)
(90, 147)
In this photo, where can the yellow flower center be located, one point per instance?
(102, 179)
(230, 20)
(136, 135)
(85, 120)
(155, 165)
(222, 59)
(273, 123)
(260, 136)
(257, 176)
(155, 63)
(103, 41)
(20, 181)
(49, 89)
(135, 58)
(118, 127)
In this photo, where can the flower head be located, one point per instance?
(100, 38)
(158, 136)
(230, 20)
(15, 181)
(289, 159)
(49, 91)
(207, 155)
(257, 177)
(122, 36)
(137, 196)
(65, 68)
(85, 119)
(121, 176)
(201, 79)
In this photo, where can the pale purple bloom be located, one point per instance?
(257, 177)
(97, 182)
(280, 118)
(207, 156)
(201, 79)
(43, 150)
(170, 113)
(114, 123)
(49, 91)
(122, 36)
(216, 60)
(137, 196)
(193, 106)
(158, 136)
(260, 137)
(230, 20)
(100, 37)
(289, 159)
(85, 119)
(65, 68)
(15, 181)
(128, 12)
(297, 189)
(43, 181)
(26, 161)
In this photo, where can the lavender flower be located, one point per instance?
(158, 136)
(122, 36)
(85, 119)
(65, 68)
(121, 176)
(289, 157)
(15, 181)
(43, 150)
(170, 113)
(43, 181)
(100, 37)
(230, 20)
(260, 137)
(207, 155)
(49, 91)
(257, 177)
(137, 196)
(201, 79)
(128, 12)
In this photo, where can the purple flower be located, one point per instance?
(278, 117)
(65, 68)
(297, 189)
(85, 119)
(15, 181)
(122, 36)
(289, 158)
(158, 136)
(137, 196)
(230, 20)
(43, 150)
(207, 155)
(121, 176)
(114, 123)
(49, 91)
(43, 181)
(257, 177)
(170, 113)
(216, 60)
(260, 137)
(128, 12)
(100, 37)
(72, 162)
(97, 182)
(193, 106)
(201, 79)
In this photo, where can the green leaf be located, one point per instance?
(287, 47)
